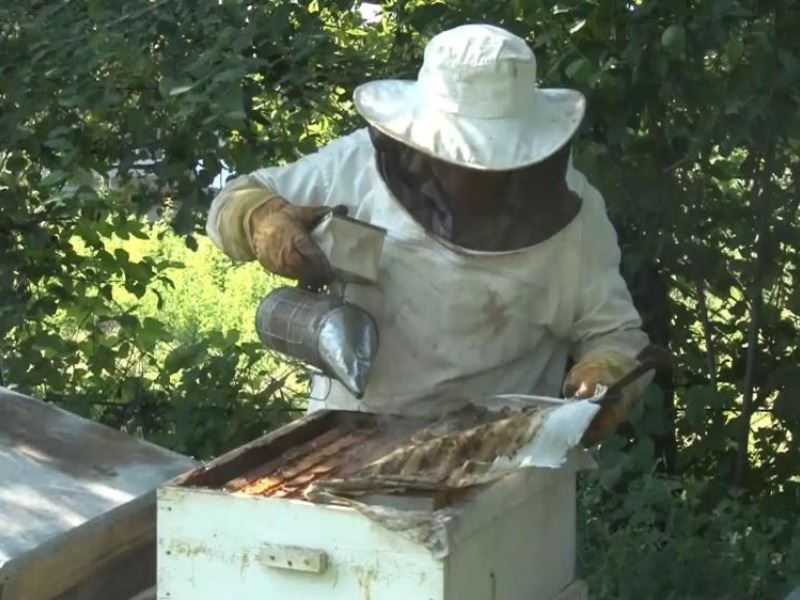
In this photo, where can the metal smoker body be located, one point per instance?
(322, 329)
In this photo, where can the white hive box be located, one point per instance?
(512, 540)
(77, 504)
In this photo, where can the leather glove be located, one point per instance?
(280, 240)
(604, 368)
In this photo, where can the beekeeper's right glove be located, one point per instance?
(254, 222)
(279, 233)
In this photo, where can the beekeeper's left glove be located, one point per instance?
(603, 367)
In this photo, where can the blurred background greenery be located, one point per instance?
(119, 120)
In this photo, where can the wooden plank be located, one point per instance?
(59, 470)
(531, 541)
(149, 594)
(118, 579)
(77, 503)
(577, 590)
(214, 545)
(77, 557)
(243, 464)
(293, 558)
(235, 463)
(86, 562)
(289, 457)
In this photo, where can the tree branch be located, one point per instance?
(761, 180)
(711, 356)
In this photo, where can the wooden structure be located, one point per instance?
(77, 504)
(241, 527)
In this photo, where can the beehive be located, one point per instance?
(242, 527)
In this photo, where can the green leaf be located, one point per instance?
(181, 89)
(578, 69)
(128, 389)
(789, 63)
(152, 332)
(182, 357)
(228, 75)
(129, 323)
(104, 358)
(696, 403)
(674, 40)
(734, 49)
(787, 404)
(54, 178)
(122, 255)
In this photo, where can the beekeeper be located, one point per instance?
(500, 261)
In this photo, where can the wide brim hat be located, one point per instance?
(475, 103)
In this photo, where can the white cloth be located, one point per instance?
(456, 324)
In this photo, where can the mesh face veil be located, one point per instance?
(478, 209)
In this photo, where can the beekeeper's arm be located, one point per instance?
(268, 214)
(606, 336)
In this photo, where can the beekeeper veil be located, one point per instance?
(473, 135)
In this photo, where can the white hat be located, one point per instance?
(475, 103)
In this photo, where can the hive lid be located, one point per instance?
(61, 471)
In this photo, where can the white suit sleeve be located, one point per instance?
(306, 181)
(606, 319)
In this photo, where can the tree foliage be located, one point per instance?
(114, 115)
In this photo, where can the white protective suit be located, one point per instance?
(453, 323)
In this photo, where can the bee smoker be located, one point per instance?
(323, 329)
